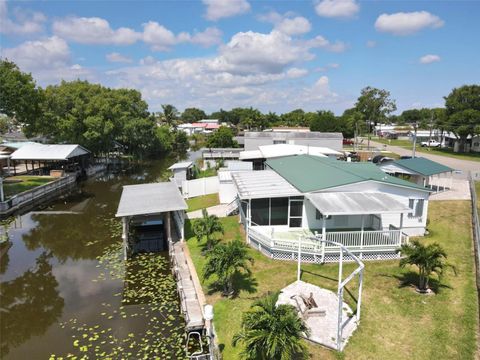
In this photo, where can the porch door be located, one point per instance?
(295, 212)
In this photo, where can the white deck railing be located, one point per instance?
(381, 240)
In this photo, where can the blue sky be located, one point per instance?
(273, 55)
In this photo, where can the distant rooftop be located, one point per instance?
(181, 165)
(280, 150)
(293, 135)
(34, 151)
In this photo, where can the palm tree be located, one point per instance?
(272, 332)
(170, 114)
(206, 227)
(427, 258)
(225, 261)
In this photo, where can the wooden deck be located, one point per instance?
(189, 290)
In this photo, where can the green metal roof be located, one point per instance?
(423, 166)
(310, 173)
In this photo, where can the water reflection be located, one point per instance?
(48, 265)
(29, 304)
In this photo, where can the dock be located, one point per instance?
(189, 290)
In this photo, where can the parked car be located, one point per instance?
(431, 143)
(347, 141)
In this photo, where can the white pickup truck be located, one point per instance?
(431, 143)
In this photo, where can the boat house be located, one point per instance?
(147, 211)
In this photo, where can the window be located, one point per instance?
(279, 142)
(296, 208)
(279, 211)
(417, 206)
(260, 211)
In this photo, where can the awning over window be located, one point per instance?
(355, 203)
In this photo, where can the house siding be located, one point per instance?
(411, 226)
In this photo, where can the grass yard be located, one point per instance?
(26, 183)
(397, 323)
(206, 173)
(201, 202)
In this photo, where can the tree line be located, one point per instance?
(461, 115)
(94, 116)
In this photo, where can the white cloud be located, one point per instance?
(320, 90)
(371, 43)
(402, 23)
(93, 30)
(162, 39)
(428, 59)
(96, 30)
(320, 42)
(294, 73)
(209, 37)
(119, 58)
(158, 36)
(327, 67)
(48, 59)
(294, 26)
(217, 9)
(49, 52)
(337, 8)
(25, 22)
(288, 23)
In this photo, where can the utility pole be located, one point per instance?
(414, 138)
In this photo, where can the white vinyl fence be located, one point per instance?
(199, 187)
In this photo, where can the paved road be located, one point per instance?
(464, 165)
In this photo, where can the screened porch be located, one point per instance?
(352, 219)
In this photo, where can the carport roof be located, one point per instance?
(146, 199)
(423, 166)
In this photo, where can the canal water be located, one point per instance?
(64, 290)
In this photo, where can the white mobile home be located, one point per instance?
(304, 196)
(253, 140)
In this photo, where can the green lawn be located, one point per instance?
(206, 173)
(26, 183)
(201, 202)
(397, 323)
(407, 144)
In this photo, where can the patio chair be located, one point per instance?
(304, 310)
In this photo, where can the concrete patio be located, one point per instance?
(323, 327)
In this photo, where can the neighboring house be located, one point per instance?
(383, 130)
(253, 140)
(202, 127)
(451, 140)
(356, 204)
(264, 152)
(421, 171)
(211, 156)
(424, 135)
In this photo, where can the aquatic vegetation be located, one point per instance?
(149, 297)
